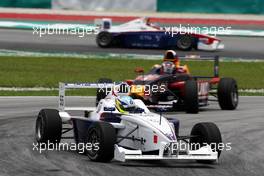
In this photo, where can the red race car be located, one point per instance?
(171, 82)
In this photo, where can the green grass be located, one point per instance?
(28, 93)
(47, 72)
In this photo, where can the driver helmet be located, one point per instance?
(125, 103)
(171, 56)
(168, 68)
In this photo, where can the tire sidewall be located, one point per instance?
(51, 126)
(89, 132)
(184, 42)
(209, 133)
(227, 92)
(39, 131)
(104, 39)
(107, 135)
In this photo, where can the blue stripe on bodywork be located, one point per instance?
(149, 39)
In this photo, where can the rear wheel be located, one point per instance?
(102, 136)
(102, 92)
(104, 39)
(48, 126)
(184, 42)
(191, 97)
(227, 94)
(206, 133)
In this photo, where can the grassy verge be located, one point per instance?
(47, 72)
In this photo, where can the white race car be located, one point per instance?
(140, 33)
(125, 129)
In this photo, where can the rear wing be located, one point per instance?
(64, 86)
(215, 59)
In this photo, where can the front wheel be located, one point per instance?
(102, 136)
(206, 133)
(48, 126)
(227, 93)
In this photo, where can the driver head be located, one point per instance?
(168, 68)
(171, 56)
(124, 103)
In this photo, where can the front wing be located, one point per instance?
(204, 153)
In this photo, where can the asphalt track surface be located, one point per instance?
(24, 40)
(242, 127)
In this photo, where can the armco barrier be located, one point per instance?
(26, 3)
(212, 6)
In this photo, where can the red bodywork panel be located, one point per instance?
(129, 82)
(215, 80)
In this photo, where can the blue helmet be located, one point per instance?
(125, 103)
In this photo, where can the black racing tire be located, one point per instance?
(191, 103)
(104, 39)
(206, 133)
(48, 126)
(185, 42)
(102, 92)
(104, 134)
(227, 93)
